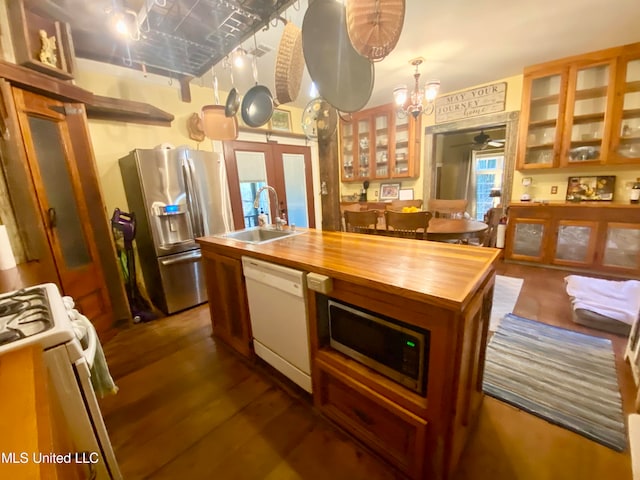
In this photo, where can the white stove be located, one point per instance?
(38, 315)
(34, 315)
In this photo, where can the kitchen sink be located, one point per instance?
(260, 235)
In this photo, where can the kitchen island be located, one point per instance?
(440, 288)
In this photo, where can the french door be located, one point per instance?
(287, 168)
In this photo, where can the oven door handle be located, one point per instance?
(89, 353)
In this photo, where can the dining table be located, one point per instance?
(444, 229)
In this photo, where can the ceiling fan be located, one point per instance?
(483, 141)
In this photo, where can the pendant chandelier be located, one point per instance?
(419, 100)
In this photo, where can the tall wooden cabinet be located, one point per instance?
(378, 144)
(50, 172)
(583, 110)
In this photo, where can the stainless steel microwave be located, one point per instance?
(398, 351)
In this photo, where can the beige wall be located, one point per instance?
(112, 140)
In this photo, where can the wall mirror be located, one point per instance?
(472, 159)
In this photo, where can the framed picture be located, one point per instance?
(405, 194)
(281, 120)
(590, 188)
(389, 191)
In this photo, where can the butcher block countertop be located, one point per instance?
(439, 273)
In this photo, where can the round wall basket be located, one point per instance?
(289, 64)
(374, 26)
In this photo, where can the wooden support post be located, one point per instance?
(330, 183)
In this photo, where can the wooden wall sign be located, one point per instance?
(471, 103)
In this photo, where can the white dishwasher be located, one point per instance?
(278, 311)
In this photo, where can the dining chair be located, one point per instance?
(398, 205)
(491, 218)
(361, 222)
(447, 208)
(407, 225)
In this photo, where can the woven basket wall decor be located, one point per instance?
(374, 26)
(289, 64)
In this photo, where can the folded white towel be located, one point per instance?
(619, 300)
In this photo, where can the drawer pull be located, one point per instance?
(363, 416)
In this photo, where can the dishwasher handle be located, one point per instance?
(282, 278)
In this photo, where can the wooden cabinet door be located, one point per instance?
(349, 151)
(625, 127)
(543, 106)
(587, 122)
(620, 250)
(381, 149)
(575, 243)
(63, 210)
(527, 239)
(228, 305)
(405, 154)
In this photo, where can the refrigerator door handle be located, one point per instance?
(193, 197)
(182, 258)
(192, 200)
(198, 197)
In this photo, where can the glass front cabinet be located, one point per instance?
(581, 111)
(378, 144)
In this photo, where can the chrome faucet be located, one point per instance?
(256, 204)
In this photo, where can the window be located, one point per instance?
(487, 169)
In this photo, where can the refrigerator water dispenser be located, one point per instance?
(173, 224)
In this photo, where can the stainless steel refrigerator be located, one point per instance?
(177, 195)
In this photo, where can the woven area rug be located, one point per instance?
(564, 377)
(505, 296)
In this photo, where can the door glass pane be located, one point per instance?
(252, 174)
(623, 247)
(588, 113)
(528, 239)
(295, 185)
(59, 191)
(381, 136)
(629, 146)
(543, 120)
(401, 160)
(363, 149)
(573, 243)
(347, 151)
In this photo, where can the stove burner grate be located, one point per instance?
(24, 313)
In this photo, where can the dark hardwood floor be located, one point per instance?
(188, 407)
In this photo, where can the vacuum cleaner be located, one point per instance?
(123, 225)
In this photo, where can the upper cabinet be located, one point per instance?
(625, 144)
(376, 144)
(582, 111)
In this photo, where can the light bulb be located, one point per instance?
(400, 95)
(431, 90)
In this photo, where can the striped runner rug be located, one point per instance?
(567, 378)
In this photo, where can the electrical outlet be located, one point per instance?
(554, 190)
